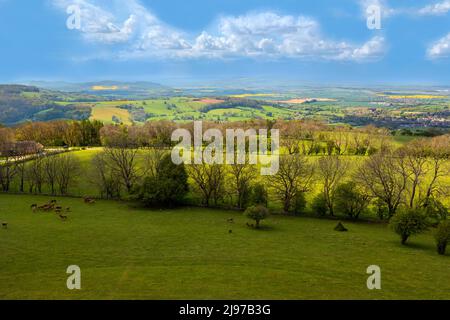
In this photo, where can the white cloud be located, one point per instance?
(271, 35)
(264, 34)
(105, 26)
(440, 48)
(439, 8)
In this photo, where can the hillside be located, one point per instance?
(19, 103)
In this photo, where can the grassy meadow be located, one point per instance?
(128, 252)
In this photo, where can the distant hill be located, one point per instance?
(112, 89)
(19, 103)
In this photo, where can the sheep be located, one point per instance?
(34, 207)
(63, 217)
(230, 231)
(231, 220)
(5, 225)
(89, 200)
(68, 209)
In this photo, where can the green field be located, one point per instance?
(128, 252)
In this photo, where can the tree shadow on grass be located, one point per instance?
(263, 228)
(428, 248)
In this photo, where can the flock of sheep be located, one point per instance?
(53, 206)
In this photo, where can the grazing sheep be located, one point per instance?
(63, 217)
(89, 200)
(58, 208)
(34, 207)
(68, 209)
(230, 231)
(53, 201)
(231, 220)
(5, 225)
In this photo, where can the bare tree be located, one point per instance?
(35, 175)
(242, 175)
(385, 175)
(331, 170)
(152, 161)
(8, 164)
(209, 180)
(416, 164)
(294, 176)
(67, 169)
(8, 170)
(50, 166)
(439, 153)
(122, 160)
(104, 178)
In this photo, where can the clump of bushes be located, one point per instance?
(299, 203)
(408, 222)
(257, 213)
(442, 236)
(167, 187)
(258, 195)
(319, 205)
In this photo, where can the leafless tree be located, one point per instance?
(35, 175)
(209, 180)
(242, 175)
(385, 175)
(416, 164)
(331, 170)
(50, 166)
(67, 169)
(294, 176)
(104, 178)
(122, 160)
(438, 151)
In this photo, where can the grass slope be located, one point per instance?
(188, 253)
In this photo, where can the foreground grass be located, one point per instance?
(188, 253)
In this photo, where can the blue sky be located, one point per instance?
(196, 41)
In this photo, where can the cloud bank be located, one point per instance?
(133, 31)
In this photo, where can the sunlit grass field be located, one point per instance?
(128, 252)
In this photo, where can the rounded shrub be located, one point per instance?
(408, 222)
(257, 213)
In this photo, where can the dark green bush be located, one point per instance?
(408, 222)
(167, 188)
(319, 205)
(442, 236)
(259, 195)
(257, 213)
(300, 203)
